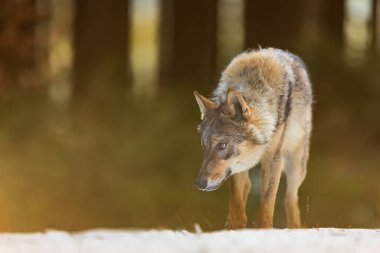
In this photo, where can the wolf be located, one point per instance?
(260, 112)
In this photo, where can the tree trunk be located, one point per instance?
(375, 29)
(100, 53)
(188, 43)
(273, 23)
(331, 20)
(18, 21)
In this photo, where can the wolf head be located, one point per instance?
(230, 139)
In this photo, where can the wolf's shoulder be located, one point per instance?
(259, 72)
(256, 69)
(287, 57)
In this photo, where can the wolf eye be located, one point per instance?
(221, 146)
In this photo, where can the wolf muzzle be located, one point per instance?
(207, 184)
(200, 183)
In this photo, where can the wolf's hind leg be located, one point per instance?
(295, 174)
(240, 187)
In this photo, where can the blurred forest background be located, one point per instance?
(98, 120)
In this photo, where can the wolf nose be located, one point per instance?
(201, 184)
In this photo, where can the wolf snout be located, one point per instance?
(211, 183)
(201, 184)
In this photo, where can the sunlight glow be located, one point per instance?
(60, 61)
(144, 46)
(357, 32)
(230, 30)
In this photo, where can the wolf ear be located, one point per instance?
(237, 105)
(205, 104)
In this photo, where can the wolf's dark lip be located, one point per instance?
(213, 188)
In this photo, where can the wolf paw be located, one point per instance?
(235, 222)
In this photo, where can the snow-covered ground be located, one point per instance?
(329, 240)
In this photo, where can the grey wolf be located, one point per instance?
(260, 112)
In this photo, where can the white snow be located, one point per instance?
(329, 240)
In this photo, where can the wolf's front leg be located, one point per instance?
(270, 179)
(271, 168)
(240, 187)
